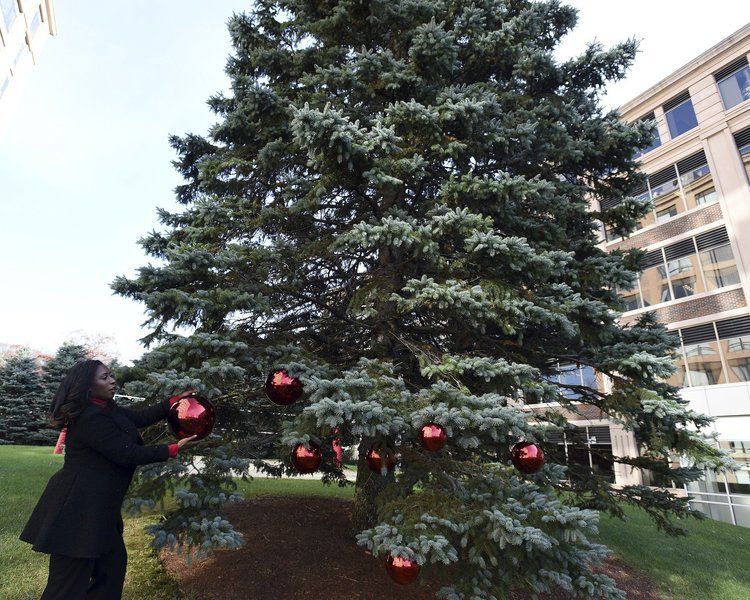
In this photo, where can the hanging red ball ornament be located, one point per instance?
(402, 570)
(527, 457)
(433, 437)
(307, 460)
(283, 389)
(377, 457)
(191, 415)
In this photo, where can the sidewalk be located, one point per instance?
(351, 474)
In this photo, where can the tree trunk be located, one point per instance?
(367, 488)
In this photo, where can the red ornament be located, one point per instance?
(306, 460)
(402, 570)
(527, 457)
(281, 388)
(375, 456)
(191, 415)
(432, 436)
(338, 449)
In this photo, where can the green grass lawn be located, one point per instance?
(710, 564)
(25, 470)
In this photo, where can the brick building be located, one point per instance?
(696, 278)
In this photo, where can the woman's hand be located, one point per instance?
(188, 441)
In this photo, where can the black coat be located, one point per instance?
(79, 511)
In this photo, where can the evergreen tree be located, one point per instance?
(57, 367)
(23, 410)
(396, 207)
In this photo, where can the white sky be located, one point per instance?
(85, 160)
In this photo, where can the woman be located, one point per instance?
(77, 520)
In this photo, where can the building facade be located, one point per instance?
(25, 27)
(696, 277)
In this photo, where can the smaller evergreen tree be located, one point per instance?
(22, 402)
(57, 367)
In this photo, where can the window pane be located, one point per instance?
(679, 377)
(35, 22)
(4, 85)
(735, 88)
(570, 375)
(655, 141)
(10, 11)
(685, 276)
(704, 364)
(589, 377)
(648, 219)
(706, 197)
(660, 192)
(654, 285)
(681, 118)
(719, 267)
(745, 153)
(737, 352)
(664, 214)
(696, 182)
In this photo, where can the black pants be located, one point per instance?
(87, 578)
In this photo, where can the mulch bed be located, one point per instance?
(302, 549)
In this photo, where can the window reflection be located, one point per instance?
(704, 364)
(706, 197)
(719, 267)
(737, 354)
(655, 286)
(681, 118)
(735, 88)
(685, 276)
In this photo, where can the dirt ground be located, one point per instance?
(301, 549)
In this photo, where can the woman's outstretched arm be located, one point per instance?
(99, 431)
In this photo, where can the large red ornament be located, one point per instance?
(376, 457)
(281, 388)
(402, 570)
(191, 415)
(527, 457)
(432, 436)
(306, 460)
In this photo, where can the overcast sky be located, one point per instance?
(85, 160)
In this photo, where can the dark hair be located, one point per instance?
(72, 397)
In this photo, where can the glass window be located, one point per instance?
(696, 183)
(589, 377)
(35, 22)
(4, 82)
(706, 197)
(9, 9)
(719, 267)
(745, 154)
(655, 286)
(665, 214)
(704, 364)
(735, 88)
(570, 375)
(611, 235)
(681, 118)
(655, 142)
(632, 301)
(631, 297)
(685, 276)
(665, 189)
(648, 218)
(737, 353)
(679, 377)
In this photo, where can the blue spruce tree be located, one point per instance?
(394, 206)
